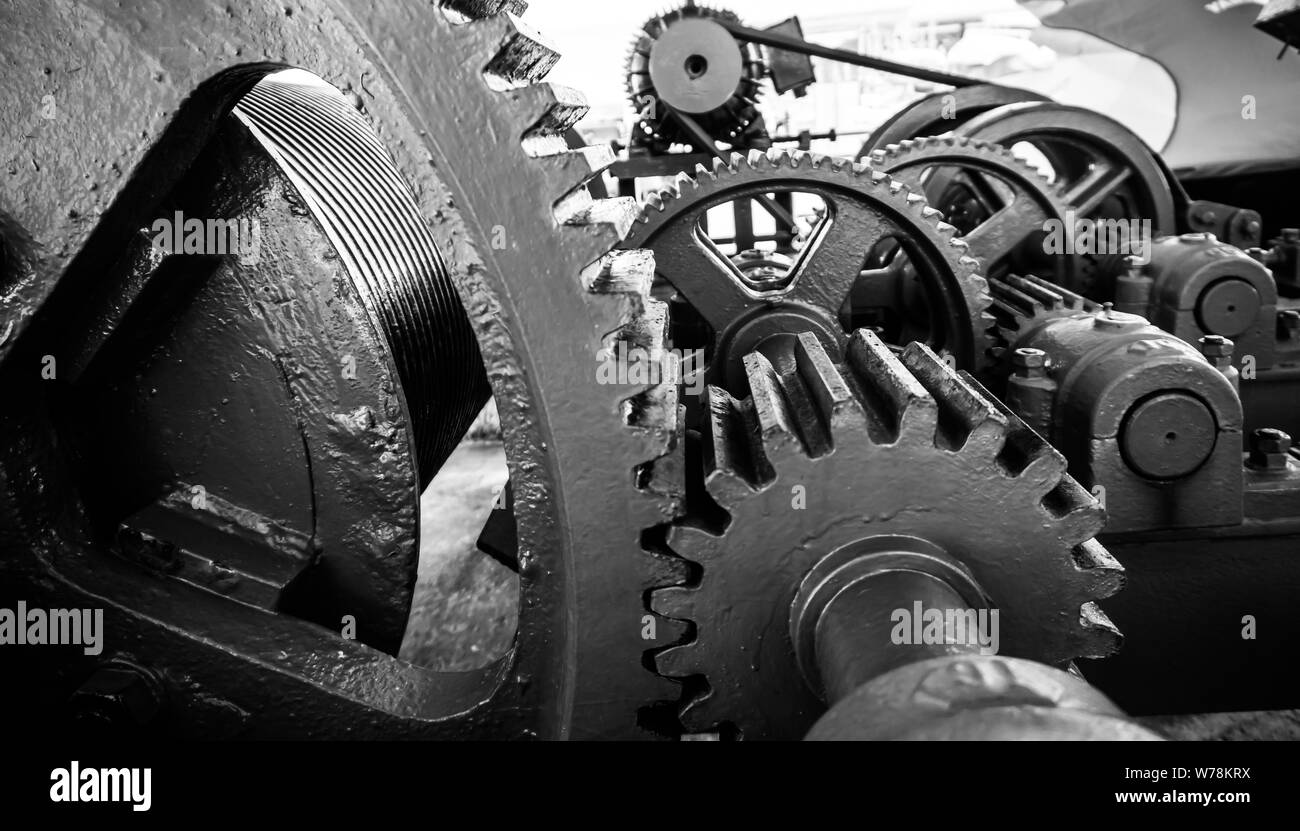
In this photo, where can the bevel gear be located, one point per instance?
(684, 59)
(831, 454)
(945, 302)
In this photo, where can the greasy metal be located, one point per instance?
(865, 208)
(824, 454)
(134, 115)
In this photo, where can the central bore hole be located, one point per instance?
(1170, 436)
(696, 65)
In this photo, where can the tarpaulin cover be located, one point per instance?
(1216, 59)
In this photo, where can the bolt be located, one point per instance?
(118, 697)
(1269, 449)
(1208, 217)
(1291, 235)
(1029, 363)
(1217, 350)
(1134, 265)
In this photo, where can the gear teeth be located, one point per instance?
(571, 164)
(676, 602)
(905, 410)
(1037, 465)
(734, 463)
(1075, 511)
(778, 424)
(1105, 576)
(523, 56)
(648, 330)
(549, 110)
(622, 271)
(602, 221)
(479, 9)
(976, 424)
(1096, 636)
(693, 542)
(679, 661)
(834, 399)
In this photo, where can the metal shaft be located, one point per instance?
(854, 632)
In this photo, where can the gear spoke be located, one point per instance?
(828, 267)
(702, 274)
(1101, 182)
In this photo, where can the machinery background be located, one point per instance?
(905, 393)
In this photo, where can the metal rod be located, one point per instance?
(803, 47)
(701, 139)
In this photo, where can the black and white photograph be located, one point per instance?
(463, 372)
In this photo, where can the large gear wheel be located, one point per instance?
(523, 258)
(865, 210)
(827, 455)
(999, 203)
(685, 60)
(943, 111)
(1104, 168)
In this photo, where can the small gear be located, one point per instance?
(685, 60)
(832, 454)
(944, 302)
(1022, 303)
(999, 203)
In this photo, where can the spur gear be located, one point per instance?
(942, 299)
(831, 454)
(685, 60)
(998, 203)
(1022, 303)
(574, 473)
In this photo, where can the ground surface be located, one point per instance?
(466, 604)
